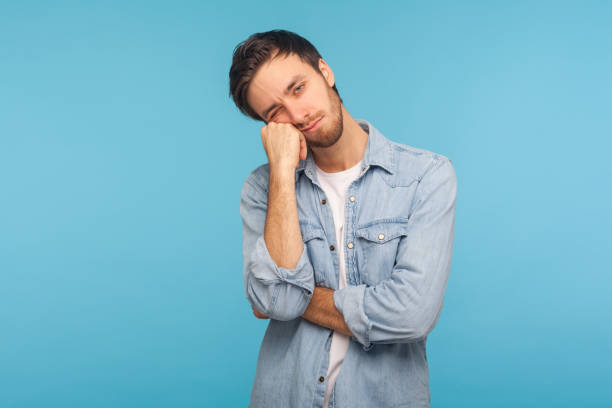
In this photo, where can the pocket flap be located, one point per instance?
(384, 230)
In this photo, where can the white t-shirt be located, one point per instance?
(335, 185)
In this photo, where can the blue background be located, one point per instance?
(122, 158)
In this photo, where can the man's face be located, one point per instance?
(288, 90)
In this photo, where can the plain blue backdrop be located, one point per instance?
(122, 158)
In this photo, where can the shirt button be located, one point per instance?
(381, 236)
(350, 245)
(331, 248)
(352, 198)
(323, 201)
(321, 379)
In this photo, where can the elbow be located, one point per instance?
(419, 334)
(278, 300)
(258, 295)
(279, 293)
(291, 308)
(408, 328)
(418, 327)
(412, 334)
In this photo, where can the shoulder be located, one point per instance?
(414, 163)
(259, 175)
(258, 180)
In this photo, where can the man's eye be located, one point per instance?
(298, 87)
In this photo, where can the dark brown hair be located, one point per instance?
(250, 54)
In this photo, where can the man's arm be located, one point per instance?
(282, 232)
(284, 145)
(405, 307)
(278, 276)
(321, 311)
(278, 292)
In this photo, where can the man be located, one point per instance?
(347, 239)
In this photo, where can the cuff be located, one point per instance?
(349, 302)
(301, 275)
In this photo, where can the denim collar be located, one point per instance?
(379, 152)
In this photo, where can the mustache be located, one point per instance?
(312, 122)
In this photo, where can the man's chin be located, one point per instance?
(327, 135)
(323, 142)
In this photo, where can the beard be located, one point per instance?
(327, 137)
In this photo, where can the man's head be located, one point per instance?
(278, 76)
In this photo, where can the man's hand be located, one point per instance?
(259, 315)
(323, 312)
(285, 145)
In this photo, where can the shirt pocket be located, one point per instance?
(315, 241)
(376, 248)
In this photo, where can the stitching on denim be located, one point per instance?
(368, 324)
(399, 220)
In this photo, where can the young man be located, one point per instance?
(347, 239)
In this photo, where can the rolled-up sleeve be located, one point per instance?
(279, 293)
(406, 306)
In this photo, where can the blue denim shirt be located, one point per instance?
(399, 231)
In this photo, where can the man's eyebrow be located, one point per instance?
(294, 80)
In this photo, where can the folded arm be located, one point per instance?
(278, 275)
(323, 312)
(405, 307)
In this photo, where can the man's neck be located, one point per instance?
(347, 151)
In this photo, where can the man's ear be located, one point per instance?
(327, 72)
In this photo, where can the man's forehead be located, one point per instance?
(273, 77)
(274, 73)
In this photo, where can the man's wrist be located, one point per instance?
(322, 311)
(282, 171)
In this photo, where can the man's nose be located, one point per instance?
(298, 115)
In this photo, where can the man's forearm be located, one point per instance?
(323, 312)
(282, 230)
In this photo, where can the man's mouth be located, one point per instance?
(312, 126)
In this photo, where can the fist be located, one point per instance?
(285, 145)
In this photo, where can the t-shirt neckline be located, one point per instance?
(338, 173)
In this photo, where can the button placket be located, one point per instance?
(350, 255)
